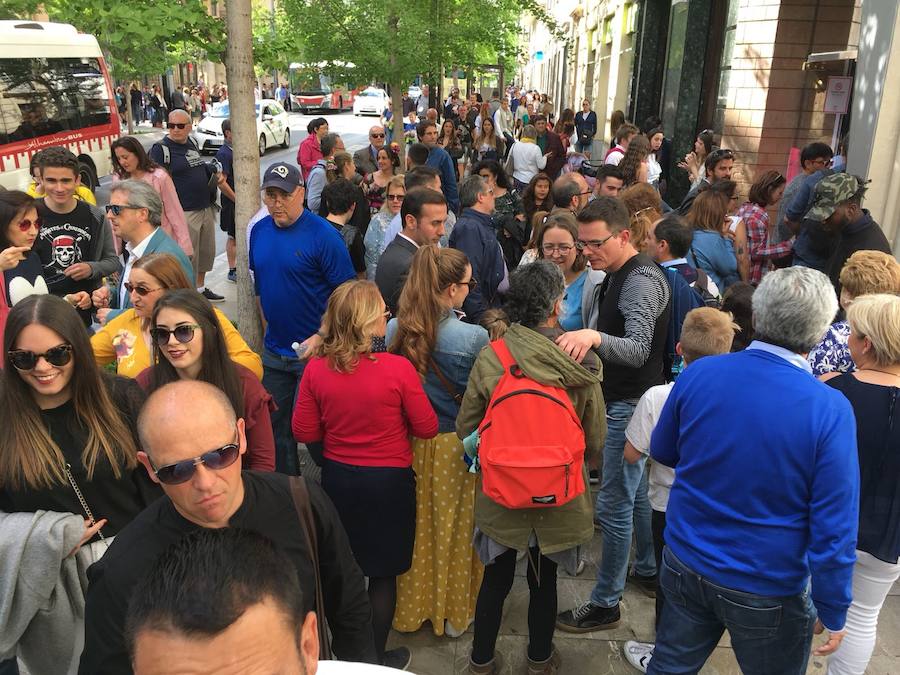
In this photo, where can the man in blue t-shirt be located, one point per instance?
(298, 259)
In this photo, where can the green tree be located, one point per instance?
(276, 43)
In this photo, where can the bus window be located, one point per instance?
(41, 96)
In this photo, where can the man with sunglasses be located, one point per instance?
(297, 260)
(718, 166)
(192, 176)
(192, 445)
(74, 243)
(628, 321)
(135, 213)
(365, 158)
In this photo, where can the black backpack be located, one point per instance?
(212, 184)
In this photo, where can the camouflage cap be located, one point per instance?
(831, 191)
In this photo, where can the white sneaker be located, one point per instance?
(638, 654)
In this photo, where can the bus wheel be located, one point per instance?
(88, 175)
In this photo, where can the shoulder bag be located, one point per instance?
(97, 548)
(454, 394)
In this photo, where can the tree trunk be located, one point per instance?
(239, 72)
(396, 90)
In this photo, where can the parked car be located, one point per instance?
(370, 101)
(271, 126)
(414, 91)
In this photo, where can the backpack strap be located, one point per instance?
(503, 354)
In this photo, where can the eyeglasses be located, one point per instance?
(395, 198)
(22, 359)
(183, 471)
(27, 224)
(595, 244)
(274, 195)
(376, 135)
(471, 283)
(116, 209)
(176, 125)
(140, 290)
(183, 334)
(551, 248)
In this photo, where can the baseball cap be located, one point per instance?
(831, 191)
(283, 176)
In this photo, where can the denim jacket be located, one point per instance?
(458, 345)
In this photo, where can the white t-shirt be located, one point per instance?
(638, 433)
(350, 668)
(615, 156)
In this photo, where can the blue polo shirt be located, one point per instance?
(296, 268)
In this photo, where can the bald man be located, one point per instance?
(366, 159)
(192, 444)
(192, 176)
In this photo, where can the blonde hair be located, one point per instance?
(877, 317)
(353, 310)
(706, 332)
(397, 181)
(868, 272)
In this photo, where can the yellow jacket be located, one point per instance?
(122, 342)
(81, 193)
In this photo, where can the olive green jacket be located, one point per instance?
(557, 528)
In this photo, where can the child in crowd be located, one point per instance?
(706, 331)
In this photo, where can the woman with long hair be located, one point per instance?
(69, 446)
(373, 241)
(449, 140)
(654, 168)
(130, 160)
(556, 243)
(375, 184)
(188, 344)
(694, 161)
(367, 468)
(443, 582)
(735, 227)
(616, 119)
(536, 197)
(126, 340)
(711, 250)
(634, 162)
(645, 208)
(487, 144)
(565, 127)
(765, 192)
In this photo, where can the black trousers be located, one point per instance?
(498, 580)
(658, 529)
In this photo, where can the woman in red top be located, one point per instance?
(188, 344)
(309, 151)
(364, 407)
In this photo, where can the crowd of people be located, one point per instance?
(491, 355)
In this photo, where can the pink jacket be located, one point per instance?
(174, 222)
(308, 154)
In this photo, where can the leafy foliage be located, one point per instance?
(274, 50)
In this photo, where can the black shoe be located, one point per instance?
(646, 585)
(212, 297)
(398, 658)
(589, 617)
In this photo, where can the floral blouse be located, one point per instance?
(832, 355)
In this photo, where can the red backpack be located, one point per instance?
(532, 442)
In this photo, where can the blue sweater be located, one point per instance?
(766, 487)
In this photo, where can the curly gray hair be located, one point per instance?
(533, 291)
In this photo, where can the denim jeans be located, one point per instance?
(616, 511)
(769, 635)
(281, 378)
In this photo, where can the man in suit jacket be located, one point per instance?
(365, 158)
(548, 141)
(424, 212)
(135, 213)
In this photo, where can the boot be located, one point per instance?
(493, 667)
(549, 667)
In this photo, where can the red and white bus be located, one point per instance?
(311, 89)
(54, 90)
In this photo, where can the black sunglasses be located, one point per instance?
(183, 333)
(176, 125)
(377, 135)
(183, 471)
(116, 209)
(140, 290)
(22, 359)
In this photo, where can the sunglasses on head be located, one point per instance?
(27, 224)
(176, 125)
(22, 359)
(140, 290)
(183, 334)
(183, 471)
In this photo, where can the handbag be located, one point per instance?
(300, 493)
(455, 395)
(96, 548)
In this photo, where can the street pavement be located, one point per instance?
(596, 653)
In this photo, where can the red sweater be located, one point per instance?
(366, 417)
(258, 406)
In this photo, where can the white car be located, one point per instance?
(370, 101)
(271, 126)
(414, 92)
